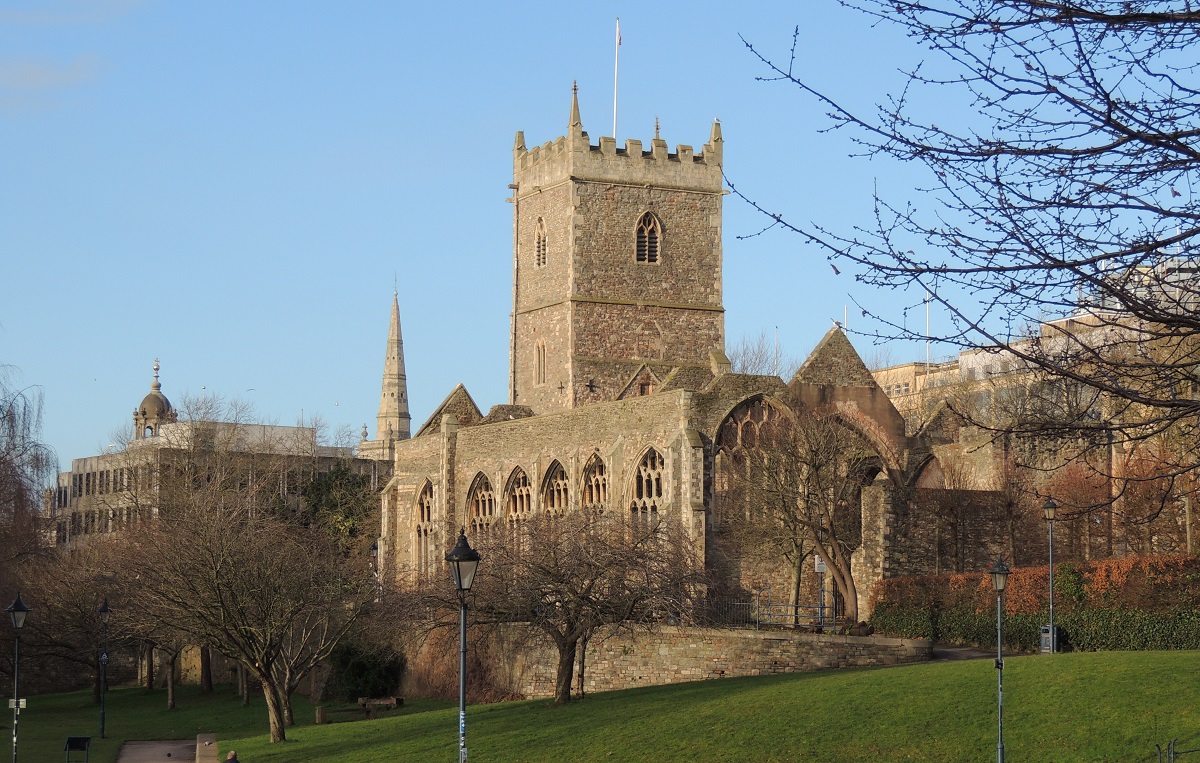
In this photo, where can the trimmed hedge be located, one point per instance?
(1119, 604)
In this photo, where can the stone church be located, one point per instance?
(621, 396)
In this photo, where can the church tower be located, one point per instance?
(617, 266)
(393, 422)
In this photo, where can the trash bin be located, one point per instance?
(1048, 641)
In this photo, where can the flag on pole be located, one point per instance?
(618, 32)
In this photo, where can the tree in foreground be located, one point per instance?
(573, 575)
(796, 490)
(1060, 141)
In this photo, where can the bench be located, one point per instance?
(380, 702)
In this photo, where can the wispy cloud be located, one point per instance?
(17, 74)
(64, 12)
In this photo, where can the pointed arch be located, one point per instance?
(649, 492)
(541, 250)
(518, 498)
(556, 490)
(424, 553)
(594, 488)
(481, 504)
(648, 237)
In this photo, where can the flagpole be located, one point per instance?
(616, 61)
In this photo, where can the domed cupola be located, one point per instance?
(154, 411)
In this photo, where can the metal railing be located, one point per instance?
(762, 612)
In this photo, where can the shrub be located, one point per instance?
(357, 671)
(1132, 603)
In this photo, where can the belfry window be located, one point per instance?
(541, 248)
(649, 236)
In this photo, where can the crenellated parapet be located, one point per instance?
(574, 157)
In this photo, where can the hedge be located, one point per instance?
(1135, 603)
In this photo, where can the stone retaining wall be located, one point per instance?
(674, 655)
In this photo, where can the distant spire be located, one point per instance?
(155, 385)
(716, 132)
(576, 124)
(393, 416)
(656, 136)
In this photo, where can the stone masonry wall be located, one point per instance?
(675, 654)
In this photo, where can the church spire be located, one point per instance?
(394, 422)
(576, 125)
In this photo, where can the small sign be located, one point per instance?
(819, 563)
(12, 704)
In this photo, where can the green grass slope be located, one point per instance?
(1071, 707)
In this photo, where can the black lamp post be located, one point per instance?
(17, 612)
(1000, 573)
(1049, 508)
(104, 612)
(463, 561)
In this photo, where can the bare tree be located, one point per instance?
(1059, 222)
(761, 355)
(572, 575)
(799, 489)
(27, 468)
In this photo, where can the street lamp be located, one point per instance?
(17, 612)
(463, 561)
(104, 612)
(1000, 573)
(1049, 508)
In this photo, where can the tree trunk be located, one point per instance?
(171, 662)
(148, 665)
(206, 681)
(797, 574)
(583, 646)
(274, 709)
(566, 672)
(244, 684)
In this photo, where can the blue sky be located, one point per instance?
(234, 188)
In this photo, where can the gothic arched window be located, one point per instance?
(594, 495)
(555, 490)
(648, 489)
(424, 553)
(541, 248)
(481, 504)
(518, 498)
(649, 238)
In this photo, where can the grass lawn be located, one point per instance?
(1071, 707)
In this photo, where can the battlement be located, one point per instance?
(574, 157)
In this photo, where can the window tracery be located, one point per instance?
(649, 235)
(648, 489)
(555, 490)
(481, 501)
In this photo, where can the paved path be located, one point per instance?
(158, 752)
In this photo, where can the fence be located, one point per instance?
(763, 612)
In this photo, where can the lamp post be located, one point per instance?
(17, 612)
(1049, 508)
(104, 612)
(463, 561)
(1000, 573)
